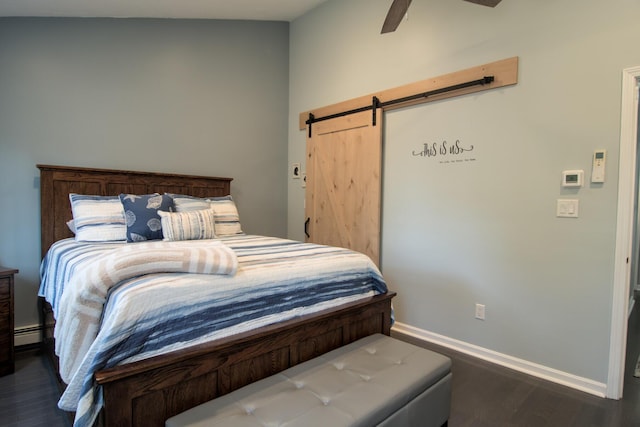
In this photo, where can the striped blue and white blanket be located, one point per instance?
(77, 325)
(155, 313)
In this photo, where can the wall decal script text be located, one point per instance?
(444, 149)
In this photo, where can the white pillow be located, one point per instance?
(98, 218)
(190, 225)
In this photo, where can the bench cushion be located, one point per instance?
(361, 384)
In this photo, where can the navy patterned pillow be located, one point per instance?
(141, 215)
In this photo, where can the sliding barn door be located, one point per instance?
(343, 192)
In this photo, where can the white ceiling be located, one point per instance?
(261, 10)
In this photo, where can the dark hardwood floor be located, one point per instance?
(487, 395)
(29, 396)
(483, 395)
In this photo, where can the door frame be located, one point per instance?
(624, 232)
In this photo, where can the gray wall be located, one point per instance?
(484, 230)
(182, 96)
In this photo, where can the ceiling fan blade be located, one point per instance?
(490, 3)
(396, 12)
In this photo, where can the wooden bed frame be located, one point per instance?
(147, 392)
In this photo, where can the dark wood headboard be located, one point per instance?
(56, 182)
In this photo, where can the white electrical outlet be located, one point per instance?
(480, 311)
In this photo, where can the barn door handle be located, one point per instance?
(306, 227)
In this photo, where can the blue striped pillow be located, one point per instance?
(226, 211)
(98, 218)
(227, 217)
(184, 203)
(190, 225)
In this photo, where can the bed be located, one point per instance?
(146, 392)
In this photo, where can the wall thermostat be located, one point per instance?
(572, 178)
(599, 160)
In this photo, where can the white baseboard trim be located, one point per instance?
(26, 335)
(579, 383)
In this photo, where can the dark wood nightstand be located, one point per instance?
(7, 359)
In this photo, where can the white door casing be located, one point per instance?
(624, 232)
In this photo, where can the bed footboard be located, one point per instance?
(148, 392)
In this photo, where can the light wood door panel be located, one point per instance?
(343, 193)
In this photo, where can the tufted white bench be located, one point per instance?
(375, 381)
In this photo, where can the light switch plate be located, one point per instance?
(567, 208)
(295, 171)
